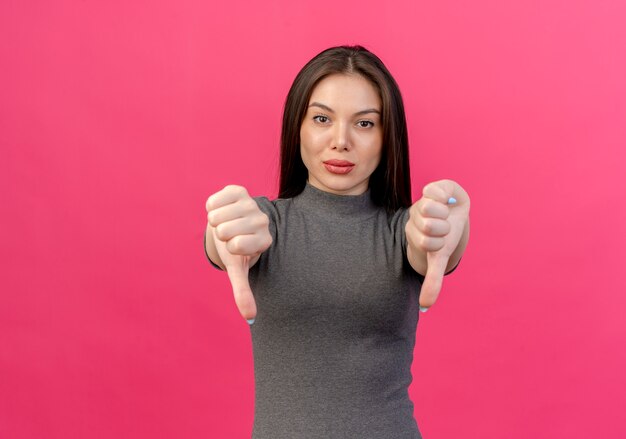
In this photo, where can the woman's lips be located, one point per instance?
(339, 166)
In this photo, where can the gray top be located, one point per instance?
(335, 328)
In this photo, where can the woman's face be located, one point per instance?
(341, 135)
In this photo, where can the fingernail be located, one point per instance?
(451, 200)
(423, 309)
(250, 321)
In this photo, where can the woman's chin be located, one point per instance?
(340, 185)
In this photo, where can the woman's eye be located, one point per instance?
(365, 123)
(321, 119)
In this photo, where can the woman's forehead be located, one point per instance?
(346, 91)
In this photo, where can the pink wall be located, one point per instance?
(118, 119)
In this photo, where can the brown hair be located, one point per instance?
(390, 183)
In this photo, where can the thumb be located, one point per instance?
(433, 280)
(237, 270)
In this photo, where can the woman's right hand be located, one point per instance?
(240, 233)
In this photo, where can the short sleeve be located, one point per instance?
(269, 208)
(398, 224)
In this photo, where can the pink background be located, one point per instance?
(118, 119)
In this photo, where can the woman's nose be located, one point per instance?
(341, 138)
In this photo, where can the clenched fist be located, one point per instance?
(437, 231)
(239, 233)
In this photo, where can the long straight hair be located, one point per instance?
(390, 183)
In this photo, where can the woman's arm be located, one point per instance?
(437, 234)
(237, 234)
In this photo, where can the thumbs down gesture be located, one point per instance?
(437, 233)
(239, 234)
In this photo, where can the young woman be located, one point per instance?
(331, 275)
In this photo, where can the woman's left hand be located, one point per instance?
(437, 233)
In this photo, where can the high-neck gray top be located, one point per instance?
(337, 309)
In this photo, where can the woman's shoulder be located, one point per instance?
(398, 216)
(274, 208)
(275, 202)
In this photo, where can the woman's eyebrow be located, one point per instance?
(330, 110)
